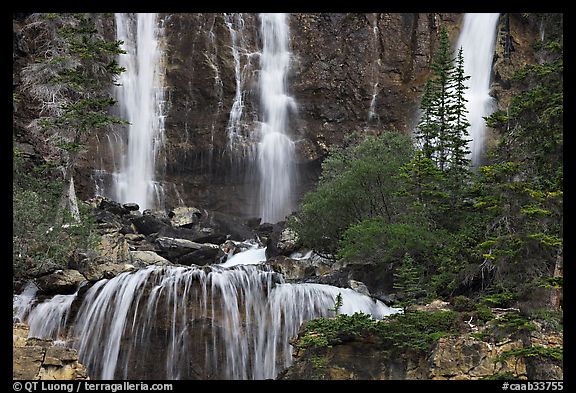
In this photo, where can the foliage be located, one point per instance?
(512, 323)
(377, 239)
(407, 279)
(358, 182)
(520, 192)
(442, 129)
(414, 330)
(554, 353)
(323, 332)
(462, 303)
(337, 304)
(504, 299)
(483, 313)
(35, 239)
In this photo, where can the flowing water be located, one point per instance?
(141, 99)
(276, 149)
(477, 40)
(176, 322)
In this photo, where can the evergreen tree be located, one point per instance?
(407, 279)
(458, 132)
(71, 78)
(442, 129)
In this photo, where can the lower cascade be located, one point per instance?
(228, 321)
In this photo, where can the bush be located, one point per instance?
(358, 182)
(414, 330)
(385, 242)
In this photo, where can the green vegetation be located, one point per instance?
(414, 330)
(337, 304)
(358, 182)
(493, 234)
(554, 353)
(36, 241)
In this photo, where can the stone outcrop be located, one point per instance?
(473, 354)
(60, 282)
(35, 359)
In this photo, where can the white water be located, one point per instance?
(176, 322)
(229, 323)
(141, 98)
(276, 149)
(22, 303)
(48, 319)
(477, 39)
(235, 24)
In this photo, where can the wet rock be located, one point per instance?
(60, 282)
(108, 269)
(172, 249)
(131, 207)
(359, 287)
(283, 242)
(222, 223)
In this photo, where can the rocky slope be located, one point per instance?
(477, 351)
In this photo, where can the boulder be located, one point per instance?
(60, 282)
(297, 270)
(204, 256)
(184, 216)
(98, 271)
(148, 224)
(131, 207)
(222, 223)
(172, 248)
(147, 258)
(359, 287)
(114, 247)
(281, 241)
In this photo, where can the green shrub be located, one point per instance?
(554, 353)
(414, 330)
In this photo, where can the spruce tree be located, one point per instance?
(442, 129)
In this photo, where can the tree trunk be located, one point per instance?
(556, 293)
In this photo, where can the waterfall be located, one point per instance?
(276, 149)
(176, 322)
(233, 128)
(48, 319)
(477, 40)
(141, 98)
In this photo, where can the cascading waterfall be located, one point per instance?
(477, 40)
(176, 322)
(141, 98)
(276, 150)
